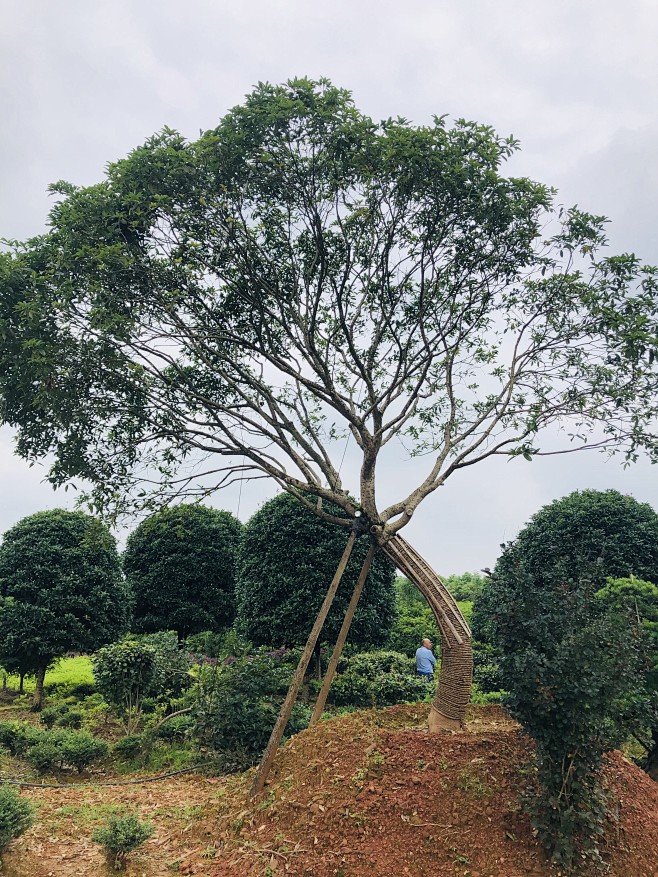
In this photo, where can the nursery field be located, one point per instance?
(370, 793)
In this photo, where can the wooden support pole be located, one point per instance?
(342, 636)
(284, 715)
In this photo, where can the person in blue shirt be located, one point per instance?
(425, 660)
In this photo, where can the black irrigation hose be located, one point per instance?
(164, 776)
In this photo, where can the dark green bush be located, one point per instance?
(80, 749)
(71, 719)
(16, 815)
(120, 836)
(378, 678)
(572, 671)
(60, 748)
(130, 746)
(176, 728)
(237, 704)
(17, 737)
(83, 690)
(46, 755)
(49, 716)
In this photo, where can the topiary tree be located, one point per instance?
(125, 673)
(287, 556)
(573, 672)
(601, 533)
(61, 590)
(180, 565)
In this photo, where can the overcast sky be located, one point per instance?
(84, 81)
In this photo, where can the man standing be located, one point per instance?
(425, 660)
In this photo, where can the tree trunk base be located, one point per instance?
(438, 722)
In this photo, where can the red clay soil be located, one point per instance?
(371, 794)
(374, 795)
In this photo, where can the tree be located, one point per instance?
(180, 566)
(599, 533)
(574, 676)
(243, 305)
(287, 556)
(61, 590)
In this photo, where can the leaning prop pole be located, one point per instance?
(342, 636)
(453, 692)
(284, 714)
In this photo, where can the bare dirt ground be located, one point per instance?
(365, 795)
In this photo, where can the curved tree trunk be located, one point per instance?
(454, 687)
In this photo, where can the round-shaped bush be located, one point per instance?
(180, 566)
(288, 557)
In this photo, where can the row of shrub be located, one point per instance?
(58, 748)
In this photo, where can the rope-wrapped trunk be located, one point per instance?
(454, 687)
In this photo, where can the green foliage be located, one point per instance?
(16, 815)
(573, 676)
(409, 630)
(269, 260)
(377, 678)
(61, 588)
(180, 565)
(177, 728)
(57, 749)
(465, 587)
(287, 559)
(130, 746)
(601, 534)
(174, 664)
(237, 704)
(637, 599)
(125, 673)
(120, 836)
(18, 737)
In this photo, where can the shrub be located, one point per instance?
(176, 728)
(17, 737)
(130, 746)
(71, 719)
(16, 815)
(378, 678)
(120, 836)
(237, 705)
(80, 749)
(83, 690)
(45, 755)
(50, 716)
(126, 672)
(54, 749)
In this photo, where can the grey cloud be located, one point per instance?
(83, 83)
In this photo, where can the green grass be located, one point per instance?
(68, 671)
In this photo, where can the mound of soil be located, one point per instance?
(373, 794)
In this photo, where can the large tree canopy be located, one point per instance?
(180, 566)
(61, 589)
(287, 557)
(241, 305)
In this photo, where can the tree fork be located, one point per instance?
(286, 708)
(342, 636)
(453, 691)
